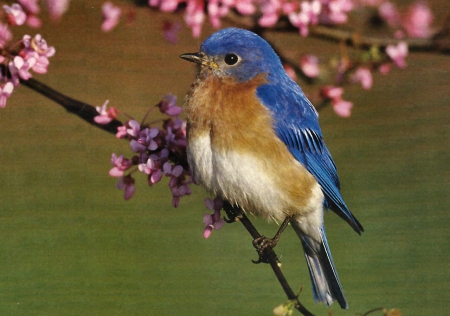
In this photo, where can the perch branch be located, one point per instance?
(237, 214)
(83, 110)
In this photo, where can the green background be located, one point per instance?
(70, 245)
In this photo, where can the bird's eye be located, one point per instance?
(231, 59)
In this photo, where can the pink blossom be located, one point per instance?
(106, 115)
(270, 10)
(335, 11)
(384, 68)
(195, 16)
(245, 7)
(111, 15)
(216, 11)
(170, 31)
(290, 71)
(389, 13)
(398, 53)
(145, 140)
(334, 94)
(127, 184)
(168, 105)
(152, 167)
(30, 6)
(57, 8)
(5, 91)
(418, 19)
(308, 15)
(20, 68)
(213, 221)
(176, 134)
(5, 34)
(121, 132)
(120, 164)
(363, 76)
(309, 64)
(33, 21)
(331, 92)
(15, 14)
(133, 128)
(178, 183)
(37, 46)
(342, 108)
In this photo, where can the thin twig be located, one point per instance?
(237, 214)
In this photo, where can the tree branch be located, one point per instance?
(83, 110)
(235, 214)
(439, 42)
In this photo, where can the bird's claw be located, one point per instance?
(264, 246)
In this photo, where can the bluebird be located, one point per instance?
(253, 139)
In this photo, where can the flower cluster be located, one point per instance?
(18, 58)
(334, 94)
(158, 151)
(300, 13)
(416, 22)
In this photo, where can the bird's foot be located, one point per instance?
(233, 212)
(265, 245)
(264, 248)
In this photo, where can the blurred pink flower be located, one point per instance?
(363, 76)
(170, 31)
(127, 184)
(389, 13)
(418, 19)
(309, 64)
(195, 16)
(270, 10)
(384, 68)
(111, 15)
(342, 108)
(334, 94)
(245, 7)
(335, 11)
(164, 5)
(290, 71)
(216, 10)
(15, 14)
(308, 15)
(213, 221)
(5, 91)
(5, 34)
(57, 8)
(398, 53)
(30, 6)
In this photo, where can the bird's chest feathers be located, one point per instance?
(232, 145)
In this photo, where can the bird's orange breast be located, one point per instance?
(226, 120)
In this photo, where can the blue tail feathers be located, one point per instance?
(325, 281)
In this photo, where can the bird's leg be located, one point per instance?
(232, 211)
(263, 243)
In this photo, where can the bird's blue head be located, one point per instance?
(238, 54)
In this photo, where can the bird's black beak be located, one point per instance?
(198, 58)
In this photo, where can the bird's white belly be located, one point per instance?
(240, 178)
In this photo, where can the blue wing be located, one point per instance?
(296, 123)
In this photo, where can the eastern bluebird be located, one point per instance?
(254, 140)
